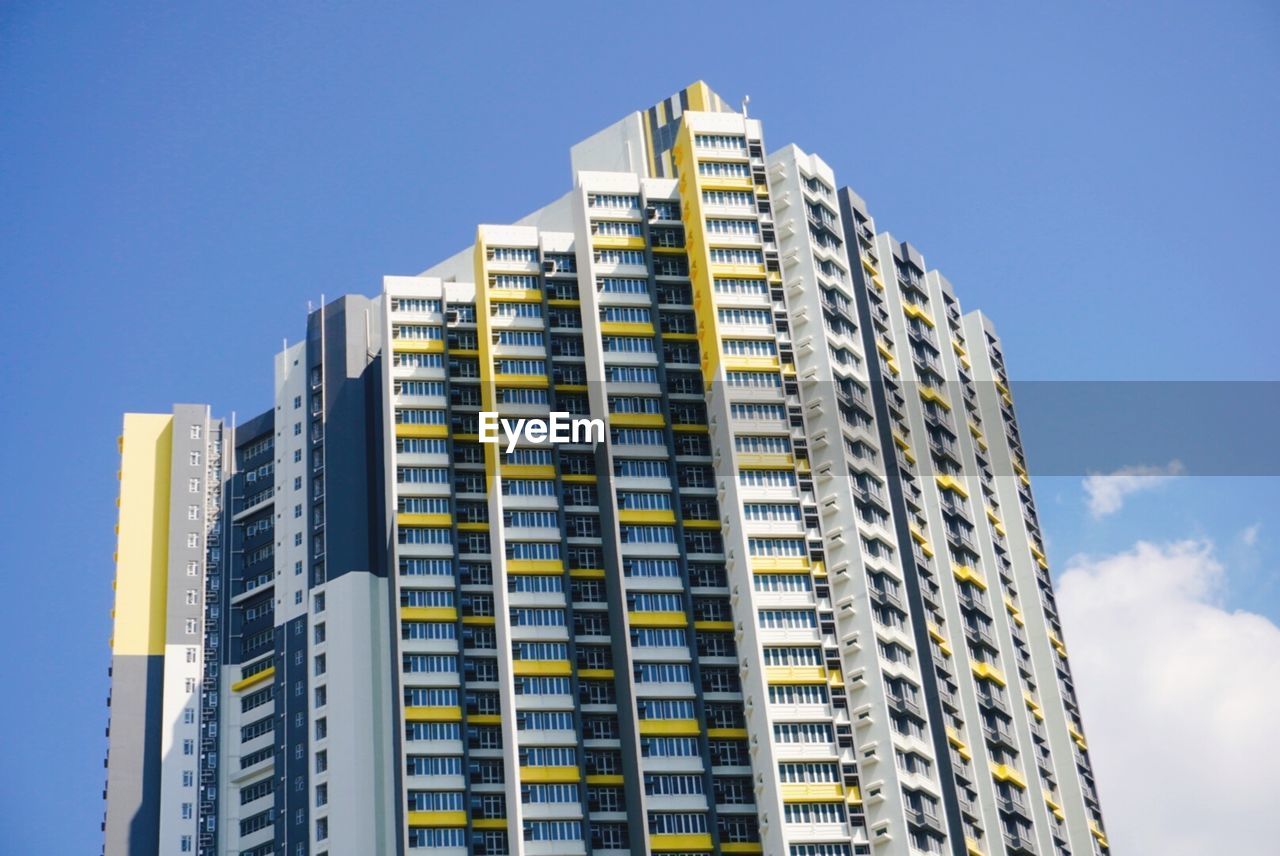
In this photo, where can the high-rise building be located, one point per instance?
(759, 571)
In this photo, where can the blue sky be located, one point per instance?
(176, 183)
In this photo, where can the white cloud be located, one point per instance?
(1250, 536)
(1107, 492)
(1180, 700)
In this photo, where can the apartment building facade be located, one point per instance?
(796, 602)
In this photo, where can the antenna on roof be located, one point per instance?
(746, 99)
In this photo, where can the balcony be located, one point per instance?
(1016, 844)
(904, 705)
(924, 819)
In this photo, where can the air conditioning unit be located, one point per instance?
(549, 266)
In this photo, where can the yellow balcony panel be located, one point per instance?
(680, 337)
(626, 328)
(528, 471)
(935, 633)
(701, 524)
(617, 242)
(571, 387)
(1098, 833)
(919, 538)
(578, 478)
(424, 519)
(1014, 612)
(727, 733)
(750, 364)
(1057, 644)
(741, 847)
(489, 823)
(959, 348)
(1005, 773)
(964, 573)
(737, 270)
(1077, 735)
(630, 515)
(637, 420)
(480, 620)
(892, 365)
(972, 848)
(521, 381)
(464, 352)
(433, 714)
(871, 268)
(549, 775)
(823, 792)
(714, 626)
(680, 250)
(438, 432)
(484, 719)
(473, 527)
(954, 738)
(931, 394)
(877, 281)
(766, 461)
(535, 566)
(987, 672)
(884, 351)
(253, 680)
(725, 182)
(780, 564)
(548, 668)
(652, 727)
(950, 483)
(686, 842)
(915, 310)
(852, 794)
(515, 295)
(418, 346)
(795, 674)
(690, 429)
(429, 613)
(437, 819)
(658, 619)
(606, 779)
(596, 674)
(560, 301)
(964, 361)
(587, 573)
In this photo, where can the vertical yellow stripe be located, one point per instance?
(699, 95)
(142, 551)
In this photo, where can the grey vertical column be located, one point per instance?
(849, 203)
